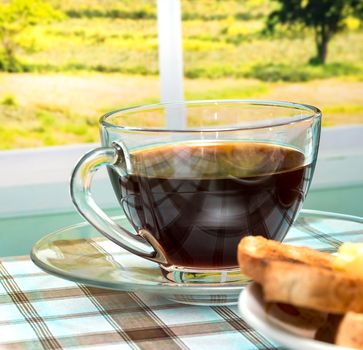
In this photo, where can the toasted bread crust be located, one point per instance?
(299, 276)
(312, 287)
(255, 252)
(350, 331)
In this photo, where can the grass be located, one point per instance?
(202, 9)
(220, 39)
(8, 100)
(130, 47)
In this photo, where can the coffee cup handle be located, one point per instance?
(143, 243)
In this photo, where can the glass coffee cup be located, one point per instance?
(233, 168)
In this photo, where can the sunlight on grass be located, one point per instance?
(228, 44)
(347, 108)
(8, 100)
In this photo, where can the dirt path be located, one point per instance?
(340, 101)
(83, 94)
(93, 94)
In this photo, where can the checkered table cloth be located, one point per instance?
(40, 311)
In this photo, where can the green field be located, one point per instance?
(229, 44)
(103, 55)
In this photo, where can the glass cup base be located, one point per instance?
(183, 275)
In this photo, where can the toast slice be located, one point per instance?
(299, 276)
(312, 287)
(256, 252)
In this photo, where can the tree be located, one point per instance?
(325, 17)
(15, 17)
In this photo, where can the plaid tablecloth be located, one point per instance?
(40, 311)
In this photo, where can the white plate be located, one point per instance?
(258, 315)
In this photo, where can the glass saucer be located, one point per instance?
(81, 254)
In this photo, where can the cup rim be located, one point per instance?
(269, 103)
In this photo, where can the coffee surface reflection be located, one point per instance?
(199, 199)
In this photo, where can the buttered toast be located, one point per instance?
(299, 276)
(255, 253)
(304, 277)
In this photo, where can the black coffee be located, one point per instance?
(200, 199)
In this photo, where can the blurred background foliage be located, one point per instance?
(66, 62)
